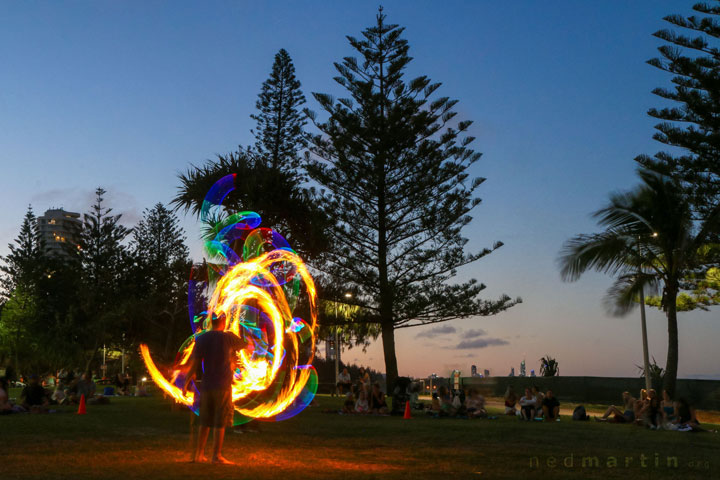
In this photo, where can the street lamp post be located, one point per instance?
(337, 344)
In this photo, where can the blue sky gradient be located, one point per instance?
(125, 95)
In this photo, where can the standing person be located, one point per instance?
(214, 353)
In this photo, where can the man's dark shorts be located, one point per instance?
(216, 408)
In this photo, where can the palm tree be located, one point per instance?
(649, 240)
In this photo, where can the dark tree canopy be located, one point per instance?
(395, 168)
(279, 131)
(692, 123)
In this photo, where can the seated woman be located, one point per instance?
(446, 402)
(510, 401)
(377, 400)
(551, 407)
(627, 415)
(527, 405)
(686, 420)
(669, 409)
(361, 406)
(59, 396)
(349, 405)
(475, 404)
(539, 396)
(650, 412)
(639, 406)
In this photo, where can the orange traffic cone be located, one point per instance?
(407, 415)
(81, 408)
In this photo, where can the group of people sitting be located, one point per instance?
(468, 404)
(534, 405)
(361, 397)
(650, 411)
(36, 398)
(39, 395)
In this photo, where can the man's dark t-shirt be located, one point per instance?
(550, 403)
(215, 352)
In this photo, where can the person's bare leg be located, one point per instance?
(218, 437)
(611, 410)
(199, 455)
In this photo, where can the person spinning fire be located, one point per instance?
(214, 356)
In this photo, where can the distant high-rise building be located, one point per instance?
(59, 230)
(473, 371)
(486, 373)
(512, 372)
(522, 368)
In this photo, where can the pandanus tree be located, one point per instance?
(549, 367)
(649, 240)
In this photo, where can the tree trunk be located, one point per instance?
(391, 368)
(671, 366)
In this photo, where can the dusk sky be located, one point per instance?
(125, 95)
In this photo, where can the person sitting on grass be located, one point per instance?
(475, 404)
(527, 405)
(686, 420)
(85, 386)
(122, 384)
(551, 407)
(650, 411)
(669, 409)
(627, 415)
(639, 405)
(349, 405)
(510, 401)
(59, 396)
(344, 382)
(446, 402)
(361, 405)
(539, 396)
(34, 398)
(378, 404)
(5, 406)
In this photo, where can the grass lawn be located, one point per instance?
(143, 438)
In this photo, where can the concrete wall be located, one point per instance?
(703, 394)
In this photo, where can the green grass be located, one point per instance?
(144, 438)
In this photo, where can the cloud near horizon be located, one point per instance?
(436, 331)
(480, 343)
(474, 333)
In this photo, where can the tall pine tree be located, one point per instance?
(693, 124)
(396, 175)
(104, 262)
(279, 130)
(23, 265)
(161, 267)
(20, 277)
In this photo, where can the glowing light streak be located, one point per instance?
(257, 292)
